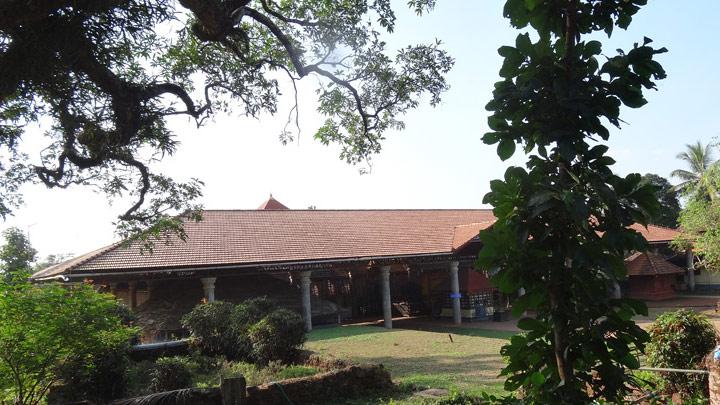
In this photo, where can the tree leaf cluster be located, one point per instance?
(44, 328)
(109, 74)
(562, 228)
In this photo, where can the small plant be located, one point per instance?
(171, 373)
(681, 339)
(278, 336)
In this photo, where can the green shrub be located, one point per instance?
(98, 377)
(278, 336)
(210, 326)
(46, 327)
(681, 339)
(249, 331)
(171, 373)
(251, 311)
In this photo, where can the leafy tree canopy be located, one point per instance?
(562, 226)
(700, 221)
(45, 327)
(108, 76)
(699, 159)
(16, 253)
(668, 198)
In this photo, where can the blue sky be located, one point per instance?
(438, 161)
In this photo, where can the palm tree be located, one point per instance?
(700, 159)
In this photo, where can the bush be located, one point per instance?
(171, 373)
(249, 331)
(278, 336)
(681, 339)
(210, 328)
(250, 312)
(100, 379)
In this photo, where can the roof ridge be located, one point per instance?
(652, 263)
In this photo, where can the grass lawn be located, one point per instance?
(470, 363)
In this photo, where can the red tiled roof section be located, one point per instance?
(270, 236)
(249, 237)
(464, 234)
(656, 233)
(650, 264)
(272, 204)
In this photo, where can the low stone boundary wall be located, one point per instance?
(343, 383)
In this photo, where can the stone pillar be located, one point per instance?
(690, 269)
(305, 292)
(455, 292)
(208, 284)
(132, 297)
(386, 298)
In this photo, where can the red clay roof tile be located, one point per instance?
(262, 237)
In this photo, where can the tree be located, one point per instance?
(562, 226)
(108, 78)
(16, 254)
(700, 222)
(45, 327)
(668, 198)
(699, 158)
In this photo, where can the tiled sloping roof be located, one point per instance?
(272, 204)
(271, 236)
(650, 264)
(465, 233)
(656, 233)
(242, 237)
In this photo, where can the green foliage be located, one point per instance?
(44, 328)
(668, 198)
(699, 159)
(278, 336)
(99, 377)
(108, 74)
(16, 253)
(700, 220)
(250, 331)
(211, 328)
(562, 226)
(171, 373)
(681, 339)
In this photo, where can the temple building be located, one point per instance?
(330, 265)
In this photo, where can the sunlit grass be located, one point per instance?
(470, 362)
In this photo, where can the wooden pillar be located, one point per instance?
(386, 298)
(132, 297)
(455, 292)
(305, 292)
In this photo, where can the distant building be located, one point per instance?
(330, 265)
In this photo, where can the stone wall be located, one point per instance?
(348, 382)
